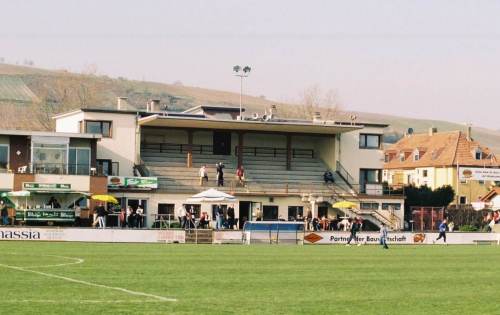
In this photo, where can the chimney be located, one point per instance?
(432, 131)
(154, 106)
(121, 102)
(469, 132)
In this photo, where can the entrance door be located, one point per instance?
(270, 213)
(222, 143)
(244, 213)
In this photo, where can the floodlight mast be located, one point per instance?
(242, 73)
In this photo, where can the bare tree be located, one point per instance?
(312, 100)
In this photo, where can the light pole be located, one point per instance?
(242, 73)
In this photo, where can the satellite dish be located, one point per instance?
(410, 131)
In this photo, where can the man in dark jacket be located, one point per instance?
(4, 213)
(101, 215)
(354, 229)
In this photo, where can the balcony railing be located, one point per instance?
(177, 148)
(274, 152)
(58, 169)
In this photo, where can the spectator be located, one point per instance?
(220, 174)
(203, 174)
(308, 220)
(451, 226)
(78, 214)
(219, 217)
(315, 224)
(182, 217)
(328, 177)
(230, 217)
(54, 203)
(128, 216)
(139, 217)
(4, 212)
(101, 215)
(203, 220)
(122, 218)
(280, 218)
(240, 174)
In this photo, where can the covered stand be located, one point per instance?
(212, 197)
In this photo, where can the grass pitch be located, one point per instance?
(37, 278)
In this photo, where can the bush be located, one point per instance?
(468, 228)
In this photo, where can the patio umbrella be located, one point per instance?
(344, 205)
(104, 198)
(211, 196)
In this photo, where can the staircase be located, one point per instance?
(197, 236)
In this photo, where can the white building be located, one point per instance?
(284, 161)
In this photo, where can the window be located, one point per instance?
(166, 209)
(98, 127)
(387, 158)
(391, 206)
(49, 158)
(294, 212)
(4, 155)
(402, 157)
(463, 200)
(478, 154)
(416, 155)
(108, 167)
(369, 176)
(368, 141)
(79, 161)
(368, 205)
(424, 173)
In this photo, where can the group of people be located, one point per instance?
(224, 218)
(219, 176)
(127, 218)
(491, 219)
(324, 223)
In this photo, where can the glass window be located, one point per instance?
(4, 156)
(367, 141)
(369, 205)
(79, 161)
(424, 173)
(478, 154)
(49, 158)
(104, 167)
(463, 200)
(389, 206)
(98, 127)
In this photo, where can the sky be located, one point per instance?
(423, 59)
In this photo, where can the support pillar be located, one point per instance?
(190, 149)
(288, 152)
(240, 149)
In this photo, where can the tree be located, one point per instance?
(312, 100)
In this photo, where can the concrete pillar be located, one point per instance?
(190, 149)
(288, 151)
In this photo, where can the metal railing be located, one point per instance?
(58, 169)
(274, 152)
(344, 174)
(177, 148)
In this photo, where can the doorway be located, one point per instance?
(222, 143)
(270, 213)
(244, 213)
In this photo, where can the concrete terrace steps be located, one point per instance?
(199, 236)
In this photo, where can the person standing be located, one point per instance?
(128, 217)
(220, 174)
(101, 215)
(442, 232)
(383, 236)
(354, 230)
(122, 218)
(78, 214)
(139, 217)
(4, 212)
(203, 174)
(183, 216)
(230, 217)
(219, 217)
(240, 174)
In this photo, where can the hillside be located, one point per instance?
(30, 96)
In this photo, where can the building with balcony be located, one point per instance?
(284, 161)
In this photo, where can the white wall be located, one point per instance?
(69, 123)
(6, 181)
(78, 182)
(353, 158)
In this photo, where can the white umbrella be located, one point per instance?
(211, 196)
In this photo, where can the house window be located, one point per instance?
(463, 200)
(107, 168)
(416, 156)
(391, 206)
(424, 173)
(166, 209)
(4, 155)
(402, 157)
(368, 141)
(387, 158)
(98, 127)
(79, 161)
(368, 205)
(478, 154)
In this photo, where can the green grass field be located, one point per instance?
(233, 279)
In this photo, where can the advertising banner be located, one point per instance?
(45, 215)
(132, 182)
(479, 173)
(91, 235)
(397, 238)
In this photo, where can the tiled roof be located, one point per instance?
(491, 194)
(439, 150)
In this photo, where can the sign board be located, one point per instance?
(397, 238)
(479, 173)
(91, 235)
(46, 186)
(45, 215)
(132, 182)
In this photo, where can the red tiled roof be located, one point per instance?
(441, 149)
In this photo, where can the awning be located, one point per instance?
(212, 196)
(319, 128)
